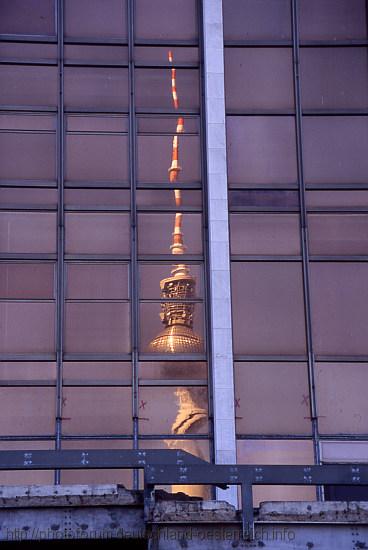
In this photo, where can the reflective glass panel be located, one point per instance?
(258, 78)
(261, 150)
(272, 398)
(97, 327)
(268, 309)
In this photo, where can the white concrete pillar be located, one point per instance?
(219, 246)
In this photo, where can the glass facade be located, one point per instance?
(101, 185)
(113, 333)
(296, 115)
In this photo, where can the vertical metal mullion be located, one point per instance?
(205, 230)
(60, 233)
(133, 243)
(304, 235)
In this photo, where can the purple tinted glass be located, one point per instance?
(27, 156)
(41, 88)
(332, 19)
(257, 19)
(264, 234)
(162, 20)
(28, 232)
(27, 280)
(102, 281)
(97, 411)
(272, 398)
(335, 149)
(27, 17)
(268, 308)
(154, 158)
(334, 78)
(334, 234)
(155, 233)
(339, 295)
(175, 411)
(97, 327)
(261, 150)
(97, 157)
(96, 87)
(258, 78)
(97, 233)
(336, 383)
(153, 88)
(27, 327)
(96, 18)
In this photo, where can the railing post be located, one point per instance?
(247, 510)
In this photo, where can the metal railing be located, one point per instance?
(176, 467)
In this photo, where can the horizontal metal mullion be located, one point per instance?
(170, 186)
(258, 43)
(170, 257)
(96, 357)
(166, 42)
(158, 111)
(274, 437)
(260, 112)
(273, 358)
(27, 132)
(342, 358)
(96, 185)
(33, 108)
(35, 38)
(96, 383)
(170, 261)
(288, 43)
(344, 437)
(170, 300)
(97, 208)
(20, 261)
(264, 258)
(332, 43)
(27, 383)
(27, 437)
(263, 187)
(97, 110)
(33, 62)
(169, 358)
(96, 300)
(158, 133)
(95, 133)
(334, 112)
(159, 65)
(96, 64)
(169, 208)
(28, 183)
(263, 209)
(82, 41)
(337, 186)
(28, 300)
(98, 437)
(27, 357)
(100, 257)
(24, 256)
(337, 210)
(338, 258)
(29, 207)
(175, 437)
(173, 382)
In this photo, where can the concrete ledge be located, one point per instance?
(28, 496)
(207, 511)
(321, 512)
